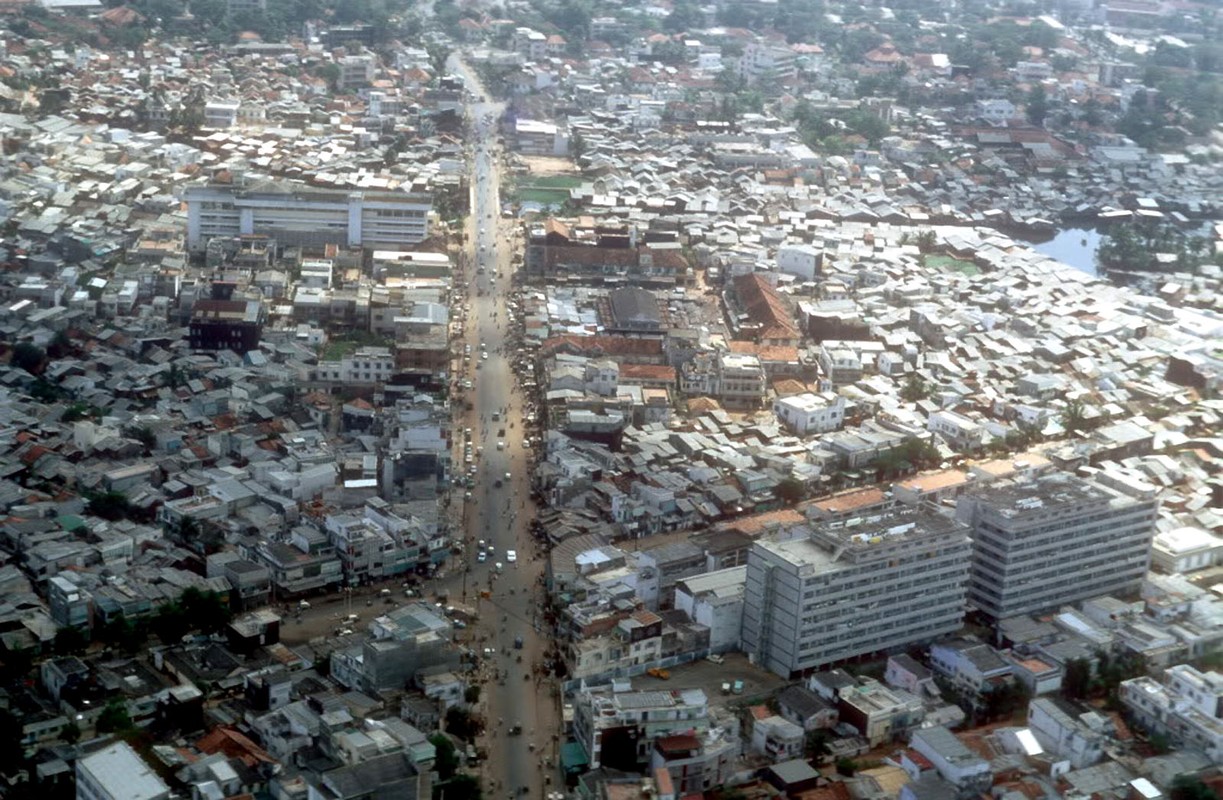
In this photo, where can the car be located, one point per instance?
(507, 476)
(467, 384)
(459, 624)
(481, 544)
(481, 557)
(500, 445)
(511, 556)
(497, 566)
(484, 356)
(466, 348)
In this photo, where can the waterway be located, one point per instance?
(1074, 246)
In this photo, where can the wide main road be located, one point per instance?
(506, 594)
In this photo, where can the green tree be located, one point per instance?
(1004, 700)
(12, 753)
(471, 695)
(114, 718)
(685, 15)
(461, 787)
(1074, 417)
(1038, 105)
(169, 623)
(1076, 680)
(914, 389)
(110, 506)
(446, 761)
(70, 640)
(790, 490)
(70, 733)
(846, 767)
(28, 356)
(1190, 787)
(59, 346)
(817, 745)
(463, 724)
(206, 612)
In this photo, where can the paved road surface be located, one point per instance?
(499, 510)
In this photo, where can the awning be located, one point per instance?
(573, 757)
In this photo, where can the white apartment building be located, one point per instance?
(958, 430)
(296, 214)
(852, 587)
(1188, 710)
(761, 62)
(741, 380)
(1053, 541)
(715, 600)
(357, 71)
(810, 412)
(628, 723)
(366, 365)
(802, 260)
(117, 773)
(221, 114)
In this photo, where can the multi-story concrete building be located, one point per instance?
(737, 380)
(1053, 541)
(356, 71)
(366, 365)
(715, 600)
(301, 215)
(847, 588)
(697, 764)
(1188, 709)
(618, 729)
(810, 412)
(226, 325)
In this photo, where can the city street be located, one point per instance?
(507, 597)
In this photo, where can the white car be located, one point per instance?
(484, 356)
(481, 557)
(500, 445)
(497, 565)
(511, 556)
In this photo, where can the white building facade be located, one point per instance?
(296, 214)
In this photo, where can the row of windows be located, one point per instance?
(398, 214)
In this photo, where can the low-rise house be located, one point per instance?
(878, 713)
(776, 737)
(696, 764)
(1064, 731)
(905, 672)
(955, 763)
(806, 709)
(972, 668)
(811, 413)
(1187, 708)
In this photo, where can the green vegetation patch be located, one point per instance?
(546, 189)
(955, 264)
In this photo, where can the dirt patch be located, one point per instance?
(549, 165)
